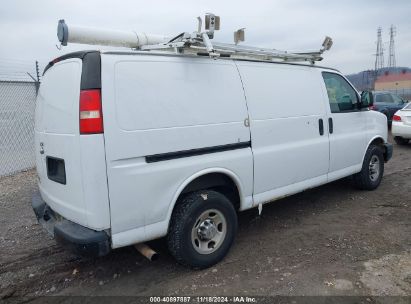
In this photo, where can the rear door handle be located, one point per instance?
(330, 125)
(321, 126)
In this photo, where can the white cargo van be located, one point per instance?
(135, 146)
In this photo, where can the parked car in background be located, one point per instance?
(401, 125)
(387, 103)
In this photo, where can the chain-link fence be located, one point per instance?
(17, 104)
(404, 93)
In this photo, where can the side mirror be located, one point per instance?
(367, 99)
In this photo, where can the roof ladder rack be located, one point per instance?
(196, 43)
(200, 41)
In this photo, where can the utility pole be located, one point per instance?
(391, 58)
(379, 55)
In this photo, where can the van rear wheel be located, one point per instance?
(202, 229)
(370, 176)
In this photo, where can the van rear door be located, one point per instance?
(70, 166)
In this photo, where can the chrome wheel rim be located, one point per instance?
(374, 168)
(209, 231)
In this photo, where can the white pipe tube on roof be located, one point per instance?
(89, 35)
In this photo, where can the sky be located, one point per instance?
(28, 28)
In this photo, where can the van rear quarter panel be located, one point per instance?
(159, 104)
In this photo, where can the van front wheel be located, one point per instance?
(202, 229)
(369, 178)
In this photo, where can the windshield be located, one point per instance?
(407, 107)
(386, 98)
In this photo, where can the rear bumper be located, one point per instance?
(402, 130)
(78, 239)
(388, 151)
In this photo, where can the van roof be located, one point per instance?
(81, 54)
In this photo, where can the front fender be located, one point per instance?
(380, 140)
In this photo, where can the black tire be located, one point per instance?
(183, 222)
(401, 141)
(365, 179)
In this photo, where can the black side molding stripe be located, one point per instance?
(195, 152)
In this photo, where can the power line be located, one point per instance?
(20, 70)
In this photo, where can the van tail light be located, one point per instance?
(396, 118)
(91, 114)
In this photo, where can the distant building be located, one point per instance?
(393, 81)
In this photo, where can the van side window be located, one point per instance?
(341, 95)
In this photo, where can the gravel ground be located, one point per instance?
(332, 240)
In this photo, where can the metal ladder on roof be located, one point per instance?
(199, 42)
(195, 43)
